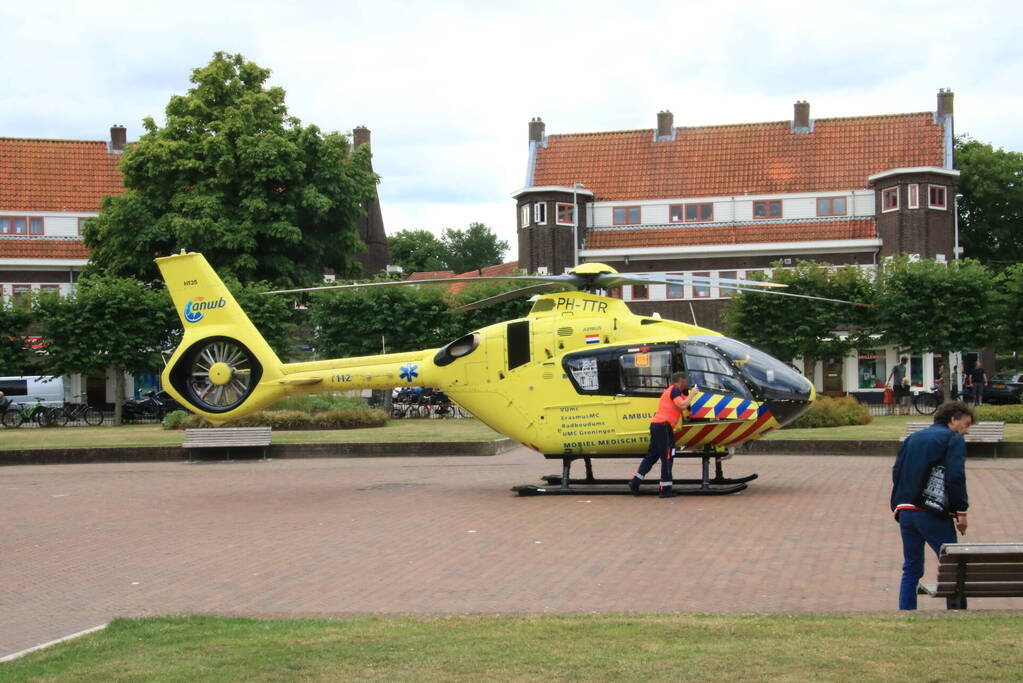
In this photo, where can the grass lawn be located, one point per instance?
(885, 427)
(958, 647)
(467, 429)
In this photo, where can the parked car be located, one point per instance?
(1004, 388)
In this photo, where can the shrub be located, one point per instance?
(173, 420)
(1007, 414)
(350, 419)
(316, 403)
(833, 412)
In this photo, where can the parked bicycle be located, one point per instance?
(36, 412)
(926, 402)
(79, 412)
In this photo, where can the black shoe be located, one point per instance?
(666, 493)
(634, 486)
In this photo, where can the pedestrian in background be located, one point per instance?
(940, 445)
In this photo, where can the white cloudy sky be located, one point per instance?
(448, 87)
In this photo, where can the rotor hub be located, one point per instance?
(221, 373)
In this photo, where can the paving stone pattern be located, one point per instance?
(81, 544)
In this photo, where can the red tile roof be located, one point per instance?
(758, 158)
(56, 175)
(30, 247)
(430, 274)
(739, 234)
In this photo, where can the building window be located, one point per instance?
(21, 225)
(615, 292)
(640, 291)
(675, 290)
(566, 214)
(675, 213)
(890, 199)
(831, 206)
(913, 196)
(699, 212)
(626, 215)
(701, 287)
(81, 225)
(525, 216)
(21, 295)
(540, 213)
(49, 289)
(725, 290)
(936, 196)
(767, 209)
(872, 371)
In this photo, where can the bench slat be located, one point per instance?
(974, 589)
(227, 437)
(999, 571)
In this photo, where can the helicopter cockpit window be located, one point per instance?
(772, 378)
(645, 372)
(708, 370)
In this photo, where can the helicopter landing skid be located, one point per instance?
(705, 486)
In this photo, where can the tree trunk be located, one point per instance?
(118, 396)
(810, 368)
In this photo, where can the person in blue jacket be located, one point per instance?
(940, 444)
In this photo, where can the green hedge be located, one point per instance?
(833, 412)
(1008, 414)
(289, 419)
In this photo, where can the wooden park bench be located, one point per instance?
(980, 432)
(227, 437)
(977, 570)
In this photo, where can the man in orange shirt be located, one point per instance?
(674, 400)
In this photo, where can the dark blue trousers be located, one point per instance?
(662, 447)
(919, 527)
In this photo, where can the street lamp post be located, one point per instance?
(575, 224)
(955, 247)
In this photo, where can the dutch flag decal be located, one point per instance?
(593, 339)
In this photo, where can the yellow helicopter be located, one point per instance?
(577, 378)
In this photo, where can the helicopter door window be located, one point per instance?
(645, 373)
(707, 369)
(518, 344)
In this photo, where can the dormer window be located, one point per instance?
(21, 225)
(936, 197)
(691, 213)
(626, 215)
(767, 209)
(831, 206)
(540, 213)
(566, 214)
(890, 199)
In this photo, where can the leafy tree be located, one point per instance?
(361, 322)
(474, 248)
(925, 306)
(1008, 308)
(107, 322)
(991, 209)
(232, 175)
(15, 359)
(417, 251)
(788, 327)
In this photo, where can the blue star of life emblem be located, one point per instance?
(408, 372)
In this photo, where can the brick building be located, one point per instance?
(723, 201)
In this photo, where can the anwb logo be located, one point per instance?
(194, 308)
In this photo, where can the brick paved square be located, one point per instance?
(82, 544)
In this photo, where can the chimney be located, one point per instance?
(665, 125)
(536, 130)
(801, 117)
(360, 137)
(118, 137)
(945, 98)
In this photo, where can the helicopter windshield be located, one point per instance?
(773, 379)
(709, 371)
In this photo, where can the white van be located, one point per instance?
(28, 389)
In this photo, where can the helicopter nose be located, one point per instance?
(798, 401)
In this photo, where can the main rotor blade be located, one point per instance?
(514, 294)
(800, 296)
(565, 279)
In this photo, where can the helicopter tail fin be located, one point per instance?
(223, 367)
